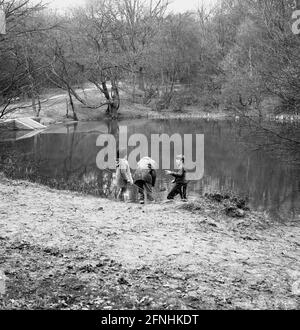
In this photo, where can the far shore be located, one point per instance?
(54, 111)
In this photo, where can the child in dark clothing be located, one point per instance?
(179, 180)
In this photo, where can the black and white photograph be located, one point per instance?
(149, 157)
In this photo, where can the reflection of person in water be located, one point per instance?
(123, 175)
(145, 178)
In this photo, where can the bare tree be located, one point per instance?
(116, 39)
(20, 61)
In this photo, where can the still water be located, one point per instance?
(240, 157)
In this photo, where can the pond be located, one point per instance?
(238, 156)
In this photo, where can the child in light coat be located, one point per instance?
(123, 175)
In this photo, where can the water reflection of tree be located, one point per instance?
(68, 161)
(53, 160)
(281, 140)
(87, 176)
(273, 142)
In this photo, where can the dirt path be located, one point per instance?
(61, 249)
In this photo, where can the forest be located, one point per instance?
(241, 55)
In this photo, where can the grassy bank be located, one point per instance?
(65, 250)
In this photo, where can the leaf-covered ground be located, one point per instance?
(64, 250)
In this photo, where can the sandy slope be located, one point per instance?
(62, 249)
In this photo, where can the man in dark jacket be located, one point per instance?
(145, 178)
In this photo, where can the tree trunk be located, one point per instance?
(39, 106)
(133, 87)
(115, 95)
(72, 106)
(33, 103)
(113, 100)
(67, 108)
(107, 96)
(141, 79)
(162, 82)
(250, 62)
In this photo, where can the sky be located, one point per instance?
(176, 5)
